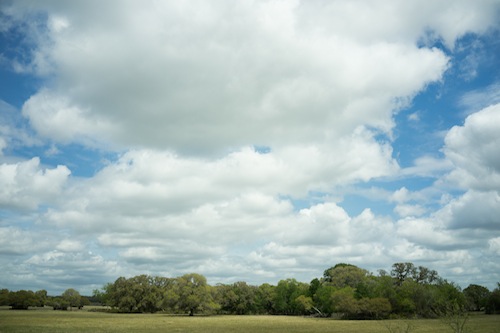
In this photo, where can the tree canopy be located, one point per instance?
(344, 290)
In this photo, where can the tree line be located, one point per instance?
(344, 290)
(23, 299)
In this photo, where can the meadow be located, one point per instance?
(40, 321)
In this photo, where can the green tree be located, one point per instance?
(345, 275)
(476, 297)
(22, 299)
(147, 293)
(493, 303)
(265, 296)
(4, 297)
(402, 270)
(100, 295)
(286, 293)
(323, 300)
(304, 304)
(120, 295)
(41, 296)
(375, 308)
(194, 294)
(58, 303)
(313, 287)
(238, 298)
(72, 297)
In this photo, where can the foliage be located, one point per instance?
(22, 299)
(138, 294)
(403, 271)
(476, 297)
(4, 297)
(344, 275)
(58, 303)
(265, 298)
(345, 291)
(493, 302)
(238, 298)
(194, 294)
(286, 294)
(72, 297)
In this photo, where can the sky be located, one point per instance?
(252, 140)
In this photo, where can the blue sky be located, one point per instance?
(247, 141)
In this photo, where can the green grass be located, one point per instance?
(40, 321)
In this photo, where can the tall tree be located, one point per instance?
(72, 297)
(194, 294)
(476, 297)
(345, 275)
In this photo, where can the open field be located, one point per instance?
(38, 321)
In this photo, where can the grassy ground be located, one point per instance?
(84, 321)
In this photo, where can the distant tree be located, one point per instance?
(195, 294)
(265, 298)
(286, 293)
(84, 301)
(344, 302)
(493, 303)
(22, 299)
(41, 296)
(238, 298)
(72, 297)
(323, 300)
(375, 308)
(476, 297)
(4, 297)
(313, 287)
(58, 303)
(344, 275)
(100, 295)
(402, 270)
(425, 275)
(304, 304)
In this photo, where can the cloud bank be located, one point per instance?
(240, 128)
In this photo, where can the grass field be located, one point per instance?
(39, 321)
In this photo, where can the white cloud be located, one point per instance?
(54, 117)
(202, 77)
(473, 149)
(475, 210)
(16, 241)
(70, 245)
(481, 98)
(26, 184)
(185, 89)
(494, 245)
(13, 132)
(405, 210)
(428, 166)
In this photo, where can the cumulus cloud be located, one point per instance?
(13, 130)
(473, 149)
(185, 91)
(27, 184)
(184, 81)
(17, 242)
